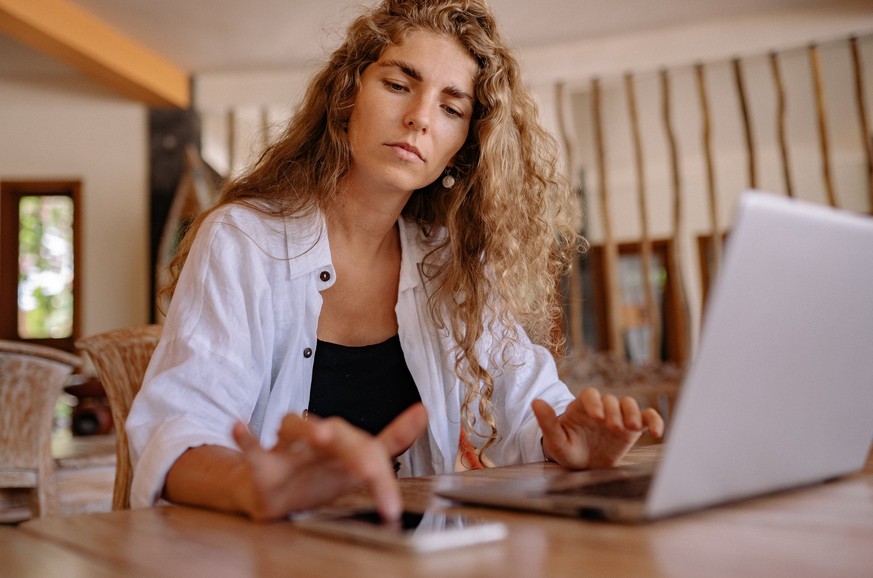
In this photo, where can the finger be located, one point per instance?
(592, 402)
(403, 430)
(292, 431)
(547, 419)
(382, 483)
(612, 412)
(365, 458)
(630, 412)
(555, 437)
(653, 420)
(244, 438)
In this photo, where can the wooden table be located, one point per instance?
(24, 554)
(826, 530)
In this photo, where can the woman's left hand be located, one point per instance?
(596, 430)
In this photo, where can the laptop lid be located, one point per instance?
(780, 392)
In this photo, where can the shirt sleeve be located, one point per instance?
(213, 361)
(521, 374)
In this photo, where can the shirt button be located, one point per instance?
(325, 276)
(307, 353)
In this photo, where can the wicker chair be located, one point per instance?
(121, 357)
(31, 379)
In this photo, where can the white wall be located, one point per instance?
(78, 131)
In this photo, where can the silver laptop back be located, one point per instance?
(780, 393)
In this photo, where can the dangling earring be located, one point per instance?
(448, 180)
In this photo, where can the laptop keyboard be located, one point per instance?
(635, 487)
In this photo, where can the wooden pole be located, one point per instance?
(781, 111)
(862, 114)
(615, 341)
(231, 142)
(818, 88)
(265, 128)
(575, 311)
(747, 122)
(674, 270)
(653, 315)
(713, 258)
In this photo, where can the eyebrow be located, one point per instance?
(413, 73)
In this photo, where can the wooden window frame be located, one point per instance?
(672, 350)
(11, 193)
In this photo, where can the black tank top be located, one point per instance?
(368, 386)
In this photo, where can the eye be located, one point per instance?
(394, 86)
(453, 112)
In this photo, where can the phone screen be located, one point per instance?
(408, 520)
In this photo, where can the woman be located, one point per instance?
(400, 242)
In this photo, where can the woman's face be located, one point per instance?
(412, 113)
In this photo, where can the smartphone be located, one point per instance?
(415, 531)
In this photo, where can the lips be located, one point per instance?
(408, 148)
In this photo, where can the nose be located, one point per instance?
(417, 116)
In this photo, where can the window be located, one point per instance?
(39, 254)
(636, 327)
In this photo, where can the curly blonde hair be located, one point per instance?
(509, 220)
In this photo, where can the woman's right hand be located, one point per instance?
(317, 460)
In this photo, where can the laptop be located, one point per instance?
(780, 392)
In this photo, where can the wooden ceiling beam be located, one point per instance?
(66, 32)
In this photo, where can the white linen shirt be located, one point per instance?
(239, 344)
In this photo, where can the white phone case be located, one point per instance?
(417, 532)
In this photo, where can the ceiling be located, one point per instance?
(203, 36)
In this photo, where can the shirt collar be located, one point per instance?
(307, 246)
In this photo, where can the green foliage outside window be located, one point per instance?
(45, 267)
